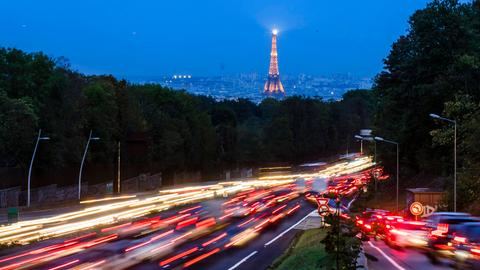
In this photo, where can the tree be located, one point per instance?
(421, 74)
(18, 124)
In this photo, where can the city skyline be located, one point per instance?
(187, 38)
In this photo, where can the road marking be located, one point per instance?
(350, 203)
(243, 260)
(394, 263)
(287, 230)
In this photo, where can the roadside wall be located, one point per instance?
(14, 196)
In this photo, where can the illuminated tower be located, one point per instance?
(273, 85)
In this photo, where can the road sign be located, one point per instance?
(322, 201)
(12, 214)
(416, 208)
(429, 210)
(323, 210)
(109, 188)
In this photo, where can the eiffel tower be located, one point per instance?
(273, 85)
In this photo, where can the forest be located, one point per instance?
(434, 68)
(178, 131)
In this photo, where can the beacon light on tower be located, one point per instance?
(273, 85)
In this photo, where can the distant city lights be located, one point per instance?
(182, 77)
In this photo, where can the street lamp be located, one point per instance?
(436, 116)
(396, 143)
(83, 160)
(369, 139)
(361, 143)
(39, 137)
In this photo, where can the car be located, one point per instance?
(440, 237)
(385, 222)
(435, 218)
(369, 221)
(466, 244)
(407, 233)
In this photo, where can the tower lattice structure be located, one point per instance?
(273, 85)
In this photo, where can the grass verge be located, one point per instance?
(305, 252)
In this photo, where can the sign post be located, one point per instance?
(416, 208)
(12, 214)
(323, 208)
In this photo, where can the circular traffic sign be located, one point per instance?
(416, 208)
(323, 210)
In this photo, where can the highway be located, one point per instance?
(140, 245)
(384, 257)
(229, 225)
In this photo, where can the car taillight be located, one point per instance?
(475, 251)
(442, 227)
(367, 226)
(419, 223)
(394, 231)
(459, 239)
(360, 222)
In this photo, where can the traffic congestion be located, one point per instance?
(445, 238)
(175, 228)
(192, 227)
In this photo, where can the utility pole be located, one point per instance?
(118, 169)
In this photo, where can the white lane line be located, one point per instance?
(350, 203)
(287, 230)
(394, 263)
(243, 260)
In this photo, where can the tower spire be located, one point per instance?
(273, 85)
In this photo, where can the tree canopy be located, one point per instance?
(433, 68)
(182, 131)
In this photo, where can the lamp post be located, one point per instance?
(436, 116)
(370, 139)
(83, 160)
(396, 143)
(360, 138)
(39, 137)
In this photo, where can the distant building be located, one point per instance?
(430, 199)
(273, 85)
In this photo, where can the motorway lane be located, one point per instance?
(222, 260)
(389, 258)
(257, 255)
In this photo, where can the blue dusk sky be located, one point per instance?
(159, 37)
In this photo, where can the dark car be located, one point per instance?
(406, 234)
(439, 239)
(466, 244)
(369, 222)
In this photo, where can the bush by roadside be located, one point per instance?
(306, 252)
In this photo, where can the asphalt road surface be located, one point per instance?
(381, 257)
(137, 246)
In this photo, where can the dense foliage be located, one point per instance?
(341, 243)
(182, 131)
(434, 68)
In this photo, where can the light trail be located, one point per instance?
(25, 232)
(118, 217)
